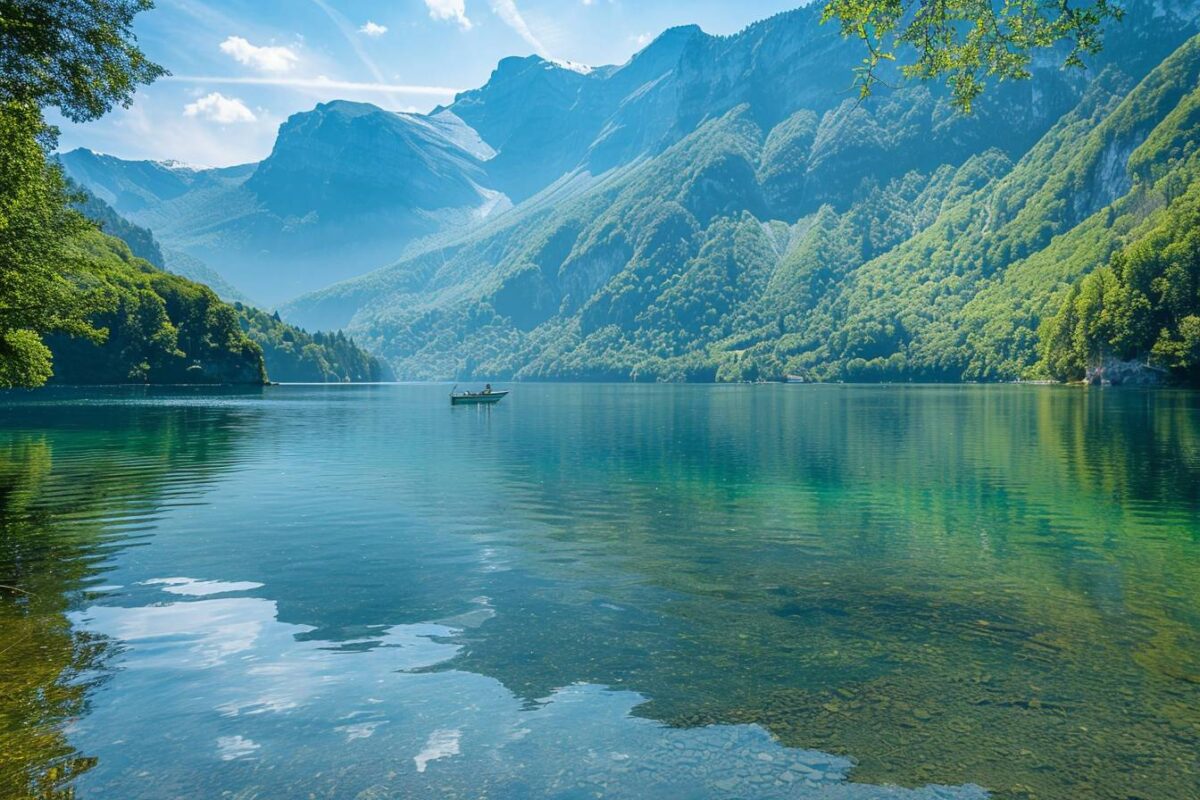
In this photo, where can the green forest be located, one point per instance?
(290, 354)
(154, 327)
(297, 356)
(1075, 258)
(78, 306)
(748, 250)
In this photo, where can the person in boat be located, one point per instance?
(487, 389)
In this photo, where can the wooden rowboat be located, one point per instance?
(476, 398)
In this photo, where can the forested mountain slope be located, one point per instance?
(833, 244)
(159, 327)
(350, 187)
(716, 208)
(290, 353)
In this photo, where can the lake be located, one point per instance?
(600, 591)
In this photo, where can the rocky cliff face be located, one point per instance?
(345, 189)
(345, 159)
(892, 240)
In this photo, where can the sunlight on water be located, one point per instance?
(627, 591)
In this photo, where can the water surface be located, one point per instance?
(617, 591)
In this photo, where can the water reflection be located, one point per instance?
(41, 657)
(362, 592)
(369, 718)
(72, 487)
(948, 584)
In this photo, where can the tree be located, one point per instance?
(78, 55)
(81, 56)
(968, 41)
(40, 291)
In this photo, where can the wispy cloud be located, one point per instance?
(450, 10)
(507, 11)
(347, 30)
(268, 58)
(373, 29)
(319, 82)
(219, 108)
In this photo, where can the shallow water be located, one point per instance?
(617, 591)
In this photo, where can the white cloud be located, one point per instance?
(267, 58)
(219, 108)
(454, 10)
(373, 29)
(507, 11)
(156, 128)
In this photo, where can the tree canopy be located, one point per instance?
(39, 292)
(78, 55)
(967, 41)
(81, 56)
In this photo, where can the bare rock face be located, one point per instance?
(1114, 372)
(347, 159)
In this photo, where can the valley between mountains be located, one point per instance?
(723, 209)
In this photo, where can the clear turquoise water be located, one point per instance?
(600, 591)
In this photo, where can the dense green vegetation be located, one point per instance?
(163, 328)
(42, 289)
(291, 354)
(968, 41)
(294, 355)
(158, 327)
(1144, 305)
(80, 56)
(752, 252)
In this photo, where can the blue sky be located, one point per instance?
(240, 67)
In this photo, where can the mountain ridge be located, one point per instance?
(632, 204)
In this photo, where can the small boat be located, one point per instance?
(476, 398)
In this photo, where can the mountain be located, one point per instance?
(345, 187)
(716, 208)
(160, 328)
(350, 187)
(788, 230)
(142, 244)
(289, 353)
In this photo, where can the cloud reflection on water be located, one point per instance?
(283, 713)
